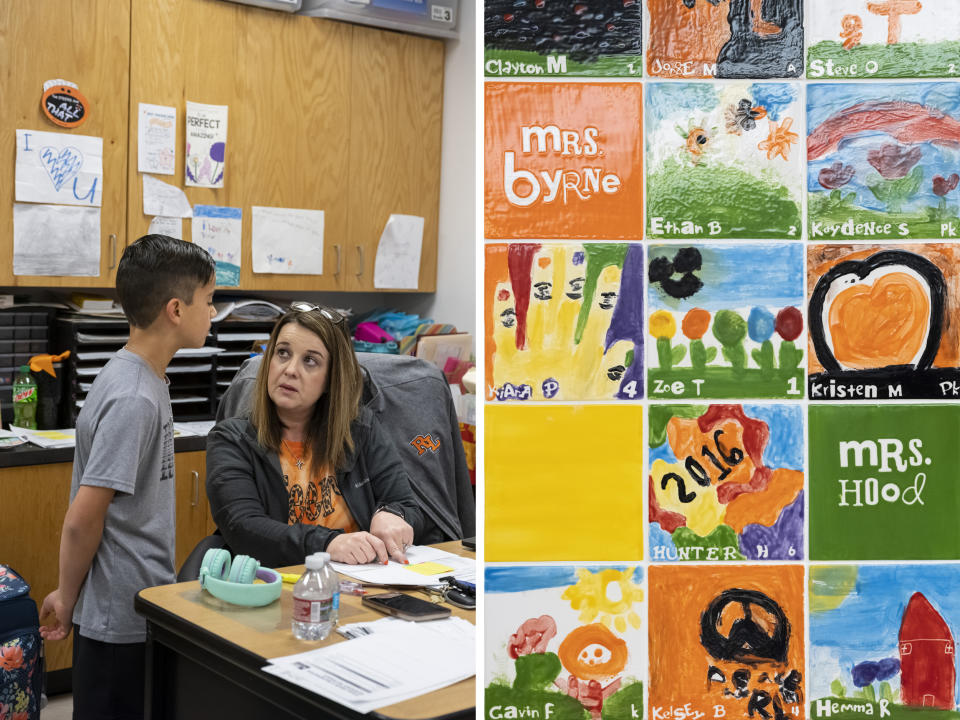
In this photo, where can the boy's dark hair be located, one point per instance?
(157, 268)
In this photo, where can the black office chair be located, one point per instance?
(190, 570)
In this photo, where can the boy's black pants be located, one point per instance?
(108, 679)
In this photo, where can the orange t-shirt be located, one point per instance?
(315, 498)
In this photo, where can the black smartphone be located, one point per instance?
(469, 543)
(405, 607)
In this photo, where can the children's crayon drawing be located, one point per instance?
(882, 322)
(883, 641)
(563, 482)
(883, 160)
(555, 38)
(726, 482)
(725, 38)
(724, 321)
(218, 231)
(724, 160)
(564, 642)
(563, 161)
(883, 482)
(726, 641)
(564, 321)
(884, 39)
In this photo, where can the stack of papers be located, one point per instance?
(47, 438)
(196, 427)
(426, 566)
(398, 662)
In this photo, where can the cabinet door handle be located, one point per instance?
(336, 273)
(360, 260)
(196, 489)
(113, 251)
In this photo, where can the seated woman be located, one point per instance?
(310, 470)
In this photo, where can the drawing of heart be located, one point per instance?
(61, 164)
(884, 311)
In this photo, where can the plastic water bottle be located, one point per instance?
(316, 599)
(334, 583)
(25, 399)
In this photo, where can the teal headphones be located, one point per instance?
(233, 582)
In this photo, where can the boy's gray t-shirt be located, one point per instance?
(125, 442)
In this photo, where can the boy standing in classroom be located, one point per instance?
(119, 531)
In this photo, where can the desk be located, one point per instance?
(204, 658)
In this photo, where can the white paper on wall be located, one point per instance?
(161, 198)
(56, 240)
(398, 254)
(60, 168)
(170, 226)
(206, 145)
(156, 139)
(287, 240)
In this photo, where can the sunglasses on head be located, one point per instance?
(329, 313)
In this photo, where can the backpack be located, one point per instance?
(21, 650)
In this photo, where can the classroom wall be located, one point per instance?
(455, 299)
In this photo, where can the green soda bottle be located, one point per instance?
(25, 399)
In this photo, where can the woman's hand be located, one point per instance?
(395, 532)
(357, 548)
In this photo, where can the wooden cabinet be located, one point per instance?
(285, 79)
(193, 510)
(397, 108)
(35, 498)
(88, 43)
(322, 115)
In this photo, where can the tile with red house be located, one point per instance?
(882, 641)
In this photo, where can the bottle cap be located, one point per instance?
(316, 561)
(24, 368)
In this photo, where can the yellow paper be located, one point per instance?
(53, 435)
(429, 568)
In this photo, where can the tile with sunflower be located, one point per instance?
(723, 160)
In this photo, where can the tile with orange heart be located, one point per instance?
(883, 481)
(563, 161)
(726, 641)
(726, 482)
(735, 39)
(883, 322)
(564, 641)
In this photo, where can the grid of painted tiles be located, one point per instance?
(722, 359)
